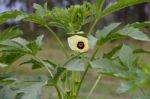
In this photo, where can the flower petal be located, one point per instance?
(78, 43)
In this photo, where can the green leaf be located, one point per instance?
(32, 91)
(110, 54)
(126, 56)
(24, 87)
(39, 64)
(71, 19)
(92, 41)
(20, 45)
(105, 66)
(140, 24)
(76, 65)
(124, 87)
(39, 40)
(14, 45)
(40, 11)
(9, 58)
(98, 7)
(10, 33)
(7, 93)
(120, 4)
(5, 16)
(134, 33)
(5, 75)
(3, 65)
(57, 74)
(138, 51)
(35, 45)
(57, 24)
(106, 30)
(36, 19)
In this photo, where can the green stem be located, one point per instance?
(94, 86)
(73, 57)
(142, 91)
(59, 41)
(58, 91)
(92, 27)
(95, 52)
(86, 70)
(37, 58)
(93, 55)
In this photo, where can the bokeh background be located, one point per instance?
(106, 88)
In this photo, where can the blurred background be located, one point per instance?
(106, 88)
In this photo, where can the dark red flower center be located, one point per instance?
(80, 45)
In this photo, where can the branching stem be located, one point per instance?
(59, 41)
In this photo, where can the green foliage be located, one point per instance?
(129, 68)
(126, 56)
(133, 33)
(140, 24)
(120, 4)
(103, 33)
(10, 33)
(76, 65)
(71, 19)
(121, 61)
(5, 16)
(24, 87)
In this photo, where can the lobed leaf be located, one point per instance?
(134, 33)
(10, 33)
(35, 45)
(75, 65)
(92, 41)
(120, 4)
(110, 54)
(126, 56)
(140, 24)
(5, 16)
(106, 30)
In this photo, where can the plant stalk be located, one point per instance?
(59, 41)
(87, 68)
(58, 91)
(94, 86)
(93, 55)
(51, 74)
(92, 27)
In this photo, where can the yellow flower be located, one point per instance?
(78, 43)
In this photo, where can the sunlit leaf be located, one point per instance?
(32, 91)
(120, 4)
(76, 65)
(7, 93)
(106, 30)
(126, 55)
(9, 58)
(110, 54)
(10, 33)
(134, 33)
(92, 41)
(124, 87)
(106, 66)
(35, 45)
(140, 24)
(5, 16)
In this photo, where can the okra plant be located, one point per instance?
(120, 61)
